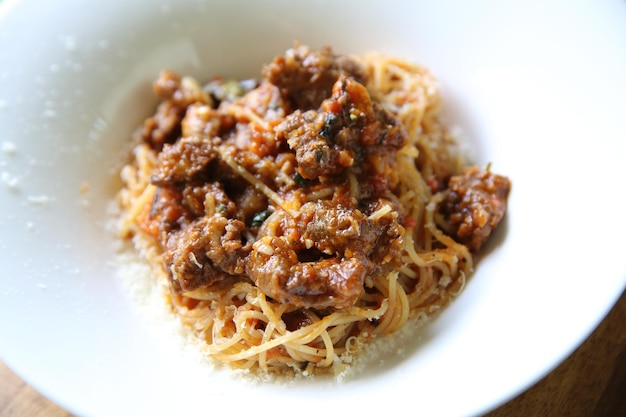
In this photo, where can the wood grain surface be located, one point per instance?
(590, 383)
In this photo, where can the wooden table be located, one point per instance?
(590, 383)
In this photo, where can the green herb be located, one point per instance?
(302, 182)
(260, 217)
(232, 89)
(330, 123)
(273, 106)
(221, 208)
(319, 155)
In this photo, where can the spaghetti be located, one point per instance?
(295, 218)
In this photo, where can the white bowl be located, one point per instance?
(537, 87)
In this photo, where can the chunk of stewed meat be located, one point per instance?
(208, 199)
(335, 229)
(308, 134)
(182, 161)
(202, 121)
(349, 129)
(321, 258)
(185, 257)
(208, 250)
(475, 203)
(306, 76)
(387, 217)
(225, 248)
(176, 94)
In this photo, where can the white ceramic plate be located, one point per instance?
(537, 87)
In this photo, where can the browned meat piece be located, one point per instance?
(387, 251)
(321, 258)
(309, 135)
(176, 95)
(378, 133)
(475, 204)
(249, 202)
(351, 103)
(266, 101)
(186, 259)
(163, 127)
(306, 77)
(336, 230)
(206, 251)
(348, 130)
(201, 121)
(225, 247)
(196, 195)
(182, 161)
(326, 283)
(167, 213)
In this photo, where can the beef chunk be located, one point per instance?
(336, 229)
(475, 204)
(202, 121)
(389, 246)
(325, 254)
(176, 95)
(186, 259)
(348, 128)
(308, 134)
(226, 250)
(182, 161)
(306, 77)
(206, 251)
(195, 197)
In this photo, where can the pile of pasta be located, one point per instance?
(234, 322)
